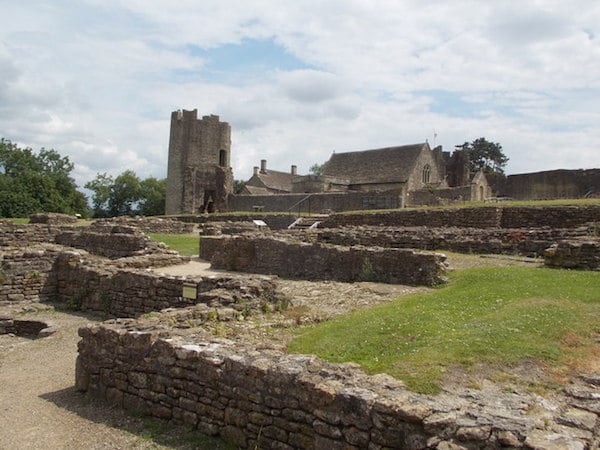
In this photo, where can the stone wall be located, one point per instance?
(53, 218)
(317, 203)
(439, 196)
(484, 217)
(480, 217)
(574, 254)
(523, 241)
(86, 283)
(111, 241)
(26, 274)
(270, 399)
(549, 216)
(274, 221)
(22, 235)
(550, 184)
(149, 224)
(302, 260)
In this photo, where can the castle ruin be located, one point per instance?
(199, 174)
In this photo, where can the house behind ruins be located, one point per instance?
(200, 178)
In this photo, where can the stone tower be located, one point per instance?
(199, 176)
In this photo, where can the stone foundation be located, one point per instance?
(269, 399)
(302, 260)
(522, 241)
(574, 255)
(481, 217)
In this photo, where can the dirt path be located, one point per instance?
(40, 408)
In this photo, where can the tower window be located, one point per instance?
(222, 158)
(426, 173)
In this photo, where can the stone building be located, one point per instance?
(266, 181)
(414, 174)
(199, 174)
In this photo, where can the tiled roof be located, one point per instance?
(384, 165)
(272, 180)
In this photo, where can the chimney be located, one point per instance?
(294, 170)
(263, 166)
(255, 170)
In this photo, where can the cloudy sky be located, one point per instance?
(97, 79)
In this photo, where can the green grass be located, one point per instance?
(498, 316)
(185, 244)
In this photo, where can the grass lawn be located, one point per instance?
(496, 315)
(185, 244)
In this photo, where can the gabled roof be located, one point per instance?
(273, 180)
(383, 165)
(254, 190)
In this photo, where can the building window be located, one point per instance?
(222, 158)
(426, 173)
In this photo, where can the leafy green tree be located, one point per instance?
(101, 188)
(485, 155)
(152, 197)
(238, 186)
(41, 182)
(125, 193)
(316, 169)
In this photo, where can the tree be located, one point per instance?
(127, 195)
(485, 155)
(238, 186)
(152, 196)
(317, 169)
(41, 182)
(100, 186)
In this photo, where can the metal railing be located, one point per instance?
(299, 205)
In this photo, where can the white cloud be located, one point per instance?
(97, 80)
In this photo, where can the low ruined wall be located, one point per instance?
(549, 216)
(529, 242)
(26, 275)
(150, 224)
(482, 217)
(23, 235)
(582, 254)
(295, 259)
(90, 285)
(485, 217)
(270, 399)
(274, 221)
(111, 241)
(53, 218)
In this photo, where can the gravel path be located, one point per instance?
(40, 408)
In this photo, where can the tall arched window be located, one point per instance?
(426, 173)
(222, 158)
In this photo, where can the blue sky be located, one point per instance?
(97, 79)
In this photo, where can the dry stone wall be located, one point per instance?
(87, 284)
(110, 241)
(150, 224)
(481, 217)
(14, 235)
(270, 399)
(529, 242)
(574, 254)
(26, 274)
(297, 259)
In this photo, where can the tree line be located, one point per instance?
(33, 182)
